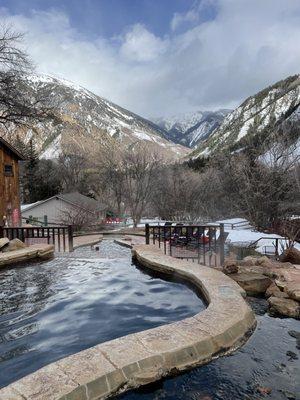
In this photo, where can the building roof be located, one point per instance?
(11, 149)
(80, 200)
(76, 199)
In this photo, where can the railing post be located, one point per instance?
(147, 233)
(159, 236)
(70, 238)
(222, 245)
(1, 232)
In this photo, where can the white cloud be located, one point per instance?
(208, 64)
(141, 45)
(179, 19)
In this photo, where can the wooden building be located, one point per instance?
(9, 184)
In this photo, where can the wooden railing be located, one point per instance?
(61, 237)
(202, 243)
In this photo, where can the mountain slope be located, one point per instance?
(89, 121)
(258, 117)
(192, 128)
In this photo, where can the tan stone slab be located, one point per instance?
(28, 253)
(124, 351)
(86, 365)
(162, 339)
(86, 240)
(9, 393)
(48, 383)
(98, 388)
(80, 393)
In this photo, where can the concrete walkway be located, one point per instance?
(137, 359)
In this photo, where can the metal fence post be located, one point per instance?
(222, 245)
(70, 238)
(147, 233)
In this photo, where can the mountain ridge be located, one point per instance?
(257, 117)
(190, 129)
(87, 120)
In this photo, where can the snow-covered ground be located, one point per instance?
(241, 233)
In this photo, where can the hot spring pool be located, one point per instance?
(52, 309)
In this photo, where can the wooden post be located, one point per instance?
(70, 238)
(222, 245)
(147, 233)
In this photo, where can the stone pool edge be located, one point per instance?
(140, 358)
(30, 253)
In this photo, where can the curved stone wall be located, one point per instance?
(143, 357)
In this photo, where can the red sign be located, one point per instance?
(16, 217)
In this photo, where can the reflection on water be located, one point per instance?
(269, 360)
(53, 309)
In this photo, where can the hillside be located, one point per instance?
(89, 121)
(192, 128)
(276, 108)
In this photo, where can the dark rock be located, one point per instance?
(295, 335)
(292, 355)
(230, 267)
(264, 390)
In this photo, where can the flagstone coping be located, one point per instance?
(86, 240)
(36, 251)
(140, 358)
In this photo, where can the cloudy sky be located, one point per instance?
(162, 57)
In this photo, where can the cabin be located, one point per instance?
(65, 209)
(9, 184)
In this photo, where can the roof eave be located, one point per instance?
(8, 146)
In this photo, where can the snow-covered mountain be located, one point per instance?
(89, 121)
(192, 128)
(274, 109)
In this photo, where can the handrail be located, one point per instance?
(266, 237)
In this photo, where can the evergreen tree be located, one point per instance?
(30, 181)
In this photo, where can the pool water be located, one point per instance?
(77, 300)
(268, 362)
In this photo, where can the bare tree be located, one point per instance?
(185, 195)
(112, 181)
(262, 185)
(175, 195)
(139, 167)
(78, 217)
(16, 106)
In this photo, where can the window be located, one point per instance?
(8, 170)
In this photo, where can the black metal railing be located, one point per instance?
(201, 243)
(61, 237)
